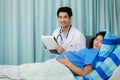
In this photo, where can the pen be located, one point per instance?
(55, 40)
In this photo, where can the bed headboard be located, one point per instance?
(88, 39)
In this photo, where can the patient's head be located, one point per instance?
(97, 40)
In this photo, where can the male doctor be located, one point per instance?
(67, 36)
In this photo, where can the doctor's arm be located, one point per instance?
(80, 72)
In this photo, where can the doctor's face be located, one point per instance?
(64, 19)
(97, 42)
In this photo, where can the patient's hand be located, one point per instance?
(64, 61)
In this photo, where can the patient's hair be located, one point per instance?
(92, 40)
(65, 9)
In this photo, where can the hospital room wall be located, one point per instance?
(23, 21)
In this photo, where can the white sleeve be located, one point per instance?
(80, 42)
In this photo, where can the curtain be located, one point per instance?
(22, 22)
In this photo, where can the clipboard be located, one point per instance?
(50, 42)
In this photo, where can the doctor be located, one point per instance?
(67, 36)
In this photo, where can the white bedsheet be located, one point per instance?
(49, 70)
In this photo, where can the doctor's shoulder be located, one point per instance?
(76, 31)
(79, 34)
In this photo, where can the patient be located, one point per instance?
(80, 63)
(83, 61)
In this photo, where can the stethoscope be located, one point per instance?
(60, 31)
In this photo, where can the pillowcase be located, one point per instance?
(108, 45)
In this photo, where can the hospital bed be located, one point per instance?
(108, 69)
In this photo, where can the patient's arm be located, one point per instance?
(80, 72)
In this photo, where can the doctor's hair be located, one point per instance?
(92, 40)
(65, 9)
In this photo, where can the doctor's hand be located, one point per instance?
(60, 49)
(45, 47)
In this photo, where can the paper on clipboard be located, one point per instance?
(49, 41)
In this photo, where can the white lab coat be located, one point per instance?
(74, 42)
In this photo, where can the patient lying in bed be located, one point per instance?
(80, 61)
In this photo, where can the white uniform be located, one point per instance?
(74, 41)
